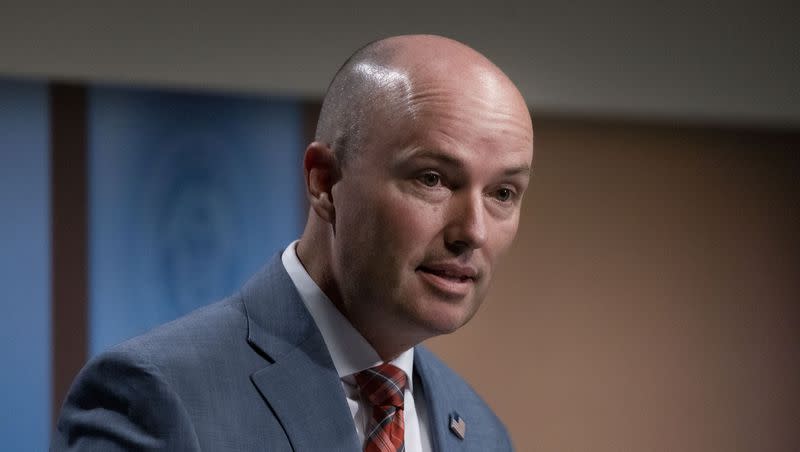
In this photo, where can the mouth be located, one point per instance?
(450, 280)
(453, 276)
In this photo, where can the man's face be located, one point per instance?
(426, 206)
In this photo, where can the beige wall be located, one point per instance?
(652, 299)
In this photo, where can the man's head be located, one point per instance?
(422, 154)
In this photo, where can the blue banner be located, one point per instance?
(25, 265)
(189, 195)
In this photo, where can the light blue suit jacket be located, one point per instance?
(249, 373)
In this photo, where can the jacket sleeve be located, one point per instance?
(121, 402)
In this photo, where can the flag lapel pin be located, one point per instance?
(458, 426)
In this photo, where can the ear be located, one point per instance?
(321, 173)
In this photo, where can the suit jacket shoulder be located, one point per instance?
(182, 386)
(248, 373)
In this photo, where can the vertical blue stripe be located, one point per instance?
(189, 195)
(24, 266)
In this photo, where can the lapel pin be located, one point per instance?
(458, 426)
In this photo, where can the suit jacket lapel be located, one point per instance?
(300, 383)
(441, 402)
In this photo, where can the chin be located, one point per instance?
(441, 318)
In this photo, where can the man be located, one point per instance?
(415, 179)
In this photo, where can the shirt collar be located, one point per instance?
(350, 352)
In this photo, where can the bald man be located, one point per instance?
(415, 180)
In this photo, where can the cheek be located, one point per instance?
(382, 226)
(410, 223)
(502, 237)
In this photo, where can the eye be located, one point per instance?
(430, 179)
(504, 194)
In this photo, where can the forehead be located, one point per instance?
(457, 102)
(486, 120)
(473, 116)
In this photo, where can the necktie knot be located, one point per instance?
(383, 385)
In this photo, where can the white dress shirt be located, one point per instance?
(351, 353)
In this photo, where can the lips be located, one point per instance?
(450, 280)
(450, 271)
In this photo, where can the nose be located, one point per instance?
(466, 229)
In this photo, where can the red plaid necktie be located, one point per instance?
(383, 386)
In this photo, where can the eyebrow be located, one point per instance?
(521, 169)
(433, 155)
(448, 160)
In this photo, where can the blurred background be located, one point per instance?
(150, 162)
